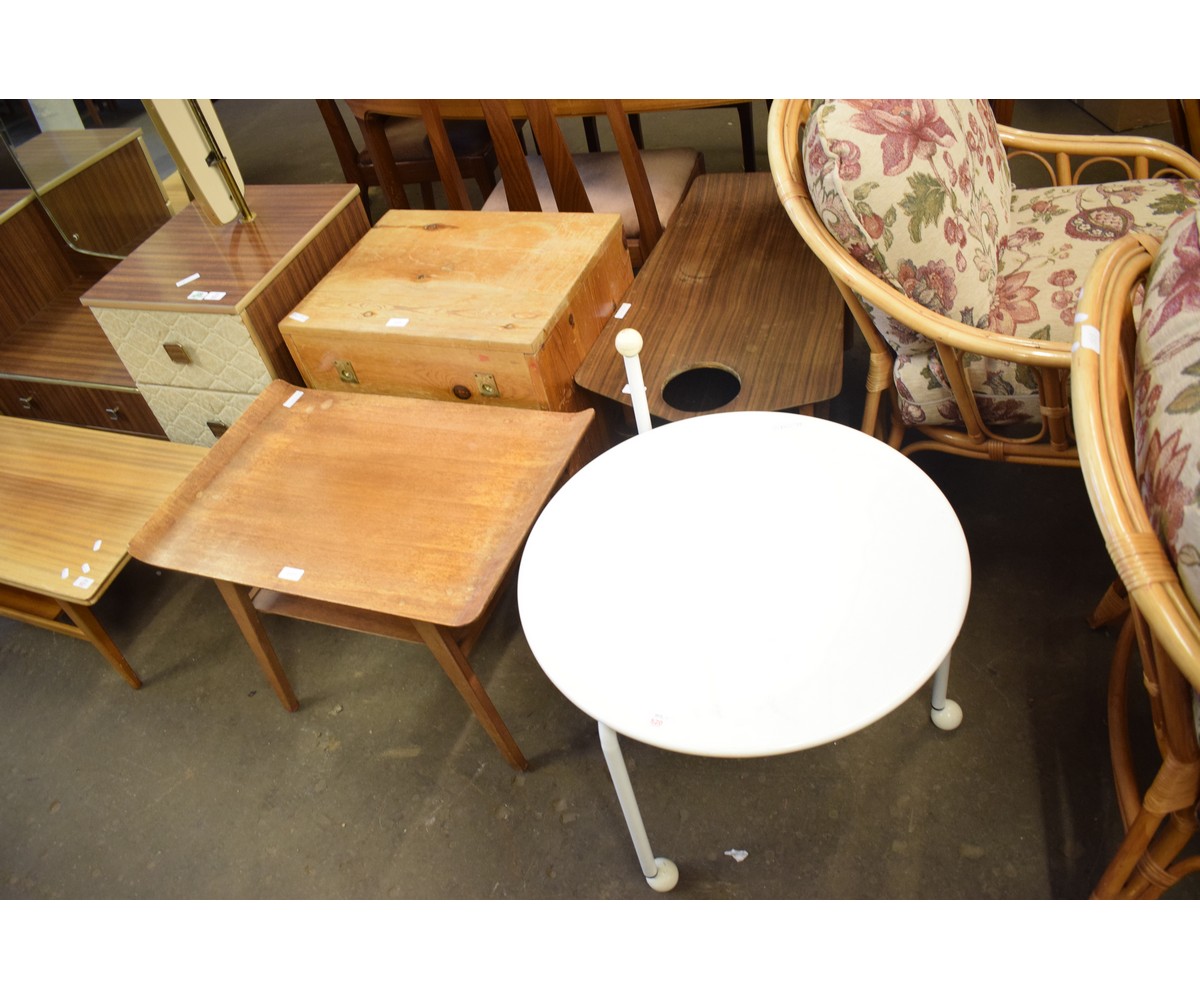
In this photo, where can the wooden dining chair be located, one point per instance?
(409, 154)
(643, 187)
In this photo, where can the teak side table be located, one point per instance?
(71, 499)
(383, 514)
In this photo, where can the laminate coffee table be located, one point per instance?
(70, 500)
(742, 585)
(736, 312)
(382, 514)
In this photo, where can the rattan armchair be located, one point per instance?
(1162, 622)
(984, 353)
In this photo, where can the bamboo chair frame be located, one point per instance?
(1162, 622)
(1065, 160)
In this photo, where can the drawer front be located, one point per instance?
(83, 406)
(383, 365)
(195, 416)
(199, 351)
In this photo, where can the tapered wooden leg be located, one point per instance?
(451, 659)
(86, 622)
(244, 613)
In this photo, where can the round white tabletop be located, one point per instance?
(744, 584)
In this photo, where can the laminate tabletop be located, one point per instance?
(190, 263)
(406, 507)
(735, 591)
(730, 288)
(72, 497)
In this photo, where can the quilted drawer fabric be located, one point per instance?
(215, 351)
(185, 413)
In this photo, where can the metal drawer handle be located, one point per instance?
(26, 402)
(114, 413)
(178, 353)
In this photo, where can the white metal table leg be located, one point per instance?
(661, 873)
(945, 712)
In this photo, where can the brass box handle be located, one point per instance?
(178, 353)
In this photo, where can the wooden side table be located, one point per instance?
(193, 313)
(72, 498)
(383, 514)
(735, 311)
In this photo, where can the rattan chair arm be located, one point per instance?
(1120, 146)
(786, 121)
(1099, 403)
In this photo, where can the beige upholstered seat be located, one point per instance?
(669, 171)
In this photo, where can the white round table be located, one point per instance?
(740, 585)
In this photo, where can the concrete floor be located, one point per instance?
(383, 786)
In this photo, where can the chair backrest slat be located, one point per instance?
(510, 155)
(443, 156)
(569, 192)
(649, 224)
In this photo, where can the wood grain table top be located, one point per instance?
(231, 264)
(497, 280)
(71, 498)
(731, 286)
(402, 506)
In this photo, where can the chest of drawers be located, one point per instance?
(193, 313)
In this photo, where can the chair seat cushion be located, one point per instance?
(669, 171)
(410, 142)
(1054, 237)
(1167, 398)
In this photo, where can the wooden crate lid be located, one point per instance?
(498, 280)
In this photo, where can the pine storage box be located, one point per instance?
(493, 308)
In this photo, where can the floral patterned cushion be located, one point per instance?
(1167, 398)
(920, 193)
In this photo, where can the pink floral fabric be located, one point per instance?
(1167, 398)
(919, 192)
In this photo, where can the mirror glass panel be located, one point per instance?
(99, 182)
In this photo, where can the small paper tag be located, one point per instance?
(298, 317)
(214, 296)
(197, 296)
(293, 399)
(290, 573)
(188, 280)
(620, 313)
(83, 582)
(398, 321)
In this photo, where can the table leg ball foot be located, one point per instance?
(949, 716)
(666, 878)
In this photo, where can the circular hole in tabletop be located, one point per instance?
(703, 388)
